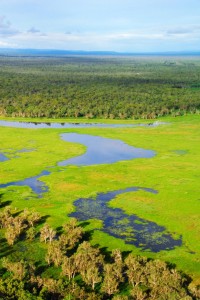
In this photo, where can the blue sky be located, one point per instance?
(112, 25)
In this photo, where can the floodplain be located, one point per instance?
(173, 173)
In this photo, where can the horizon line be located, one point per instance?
(97, 52)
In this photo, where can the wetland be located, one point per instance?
(100, 135)
(99, 151)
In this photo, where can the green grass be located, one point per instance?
(173, 174)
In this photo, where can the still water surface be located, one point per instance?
(142, 233)
(71, 125)
(3, 157)
(133, 230)
(99, 151)
(102, 150)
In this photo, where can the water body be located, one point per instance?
(99, 150)
(3, 157)
(72, 125)
(102, 150)
(36, 185)
(181, 152)
(133, 230)
(24, 150)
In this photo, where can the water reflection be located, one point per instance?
(132, 229)
(99, 150)
(102, 150)
(72, 125)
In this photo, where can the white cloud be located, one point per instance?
(187, 33)
(189, 29)
(5, 27)
(7, 45)
(146, 39)
(101, 24)
(33, 30)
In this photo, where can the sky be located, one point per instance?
(101, 25)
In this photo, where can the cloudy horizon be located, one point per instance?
(122, 26)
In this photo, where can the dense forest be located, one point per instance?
(99, 87)
(67, 266)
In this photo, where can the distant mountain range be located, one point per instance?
(48, 52)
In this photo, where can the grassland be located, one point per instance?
(173, 172)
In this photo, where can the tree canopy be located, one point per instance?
(66, 266)
(98, 87)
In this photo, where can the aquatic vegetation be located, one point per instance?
(133, 230)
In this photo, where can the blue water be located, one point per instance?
(36, 185)
(3, 157)
(99, 150)
(144, 234)
(72, 125)
(102, 150)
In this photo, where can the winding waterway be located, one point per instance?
(99, 151)
(132, 229)
(36, 185)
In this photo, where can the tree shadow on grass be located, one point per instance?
(84, 224)
(106, 253)
(187, 278)
(43, 219)
(16, 214)
(5, 203)
(59, 230)
(5, 248)
(40, 268)
(125, 254)
(87, 235)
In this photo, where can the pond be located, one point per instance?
(3, 157)
(133, 230)
(102, 150)
(180, 152)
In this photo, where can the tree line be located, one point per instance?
(64, 265)
(115, 88)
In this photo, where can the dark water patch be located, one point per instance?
(180, 152)
(25, 150)
(36, 185)
(38, 125)
(3, 157)
(12, 154)
(102, 150)
(133, 230)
